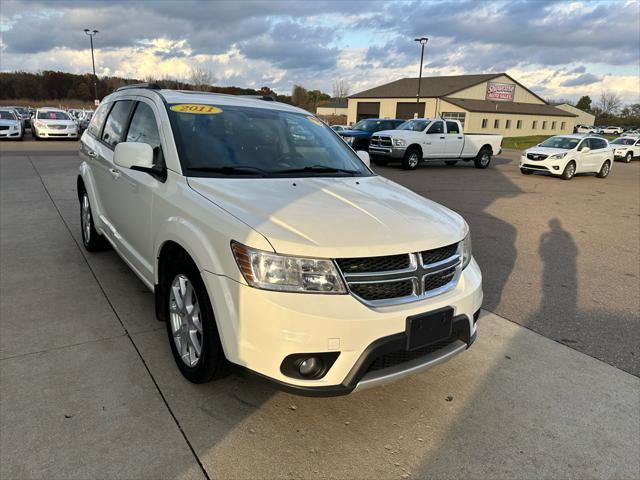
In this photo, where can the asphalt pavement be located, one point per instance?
(90, 390)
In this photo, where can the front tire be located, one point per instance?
(483, 159)
(411, 159)
(604, 170)
(628, 157)
(91, 239)
(191, 325)
(569, 171)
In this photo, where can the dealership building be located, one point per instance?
(485, 103)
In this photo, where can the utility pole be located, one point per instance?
(91, 33)
(423, 41)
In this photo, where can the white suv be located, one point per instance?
(271, 245)
(566, 155)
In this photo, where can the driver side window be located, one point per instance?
(143, 128)
(436, 127)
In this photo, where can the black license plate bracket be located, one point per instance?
(427, 328)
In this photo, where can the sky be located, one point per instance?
(559, 49)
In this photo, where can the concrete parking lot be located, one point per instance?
(549, 390)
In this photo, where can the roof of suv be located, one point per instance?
(207, 98)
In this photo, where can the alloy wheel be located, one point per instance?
(186, 320)
(86, 219)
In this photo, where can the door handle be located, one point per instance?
(114, 173)
(442, 138)
(459, 138)
(92, 154)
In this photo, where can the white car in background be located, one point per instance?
(566, 155)
(612, 130)
(626, 148)
(53, 123)
(580, 128)
(10, 124)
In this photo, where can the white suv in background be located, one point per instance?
(53, 123)
(626, 148)
(270, 244)
(566, 155)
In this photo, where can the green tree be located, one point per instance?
(584, 103)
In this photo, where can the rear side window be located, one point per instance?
(98, 119)
(597, 143)
(452, 127)
(116, 121)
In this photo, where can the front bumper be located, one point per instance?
(51, 133)
(10, 133)
(259, 329)
(554, 167)
(388, 152)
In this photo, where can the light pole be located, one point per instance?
(91, 33)
(423, 41)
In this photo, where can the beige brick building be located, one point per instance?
(486, 103)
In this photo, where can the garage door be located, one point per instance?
(368, 110)
(406, 110)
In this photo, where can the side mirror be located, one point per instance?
(585, 150)
(364, 156)
(133, 154)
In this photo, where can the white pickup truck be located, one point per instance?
(427, 139)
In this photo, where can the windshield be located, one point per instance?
(367, 125)
(22, 110)
(7, 115)
(623, 141)
(566, 143)
(414, 125)
(50, 115)
(258, 142)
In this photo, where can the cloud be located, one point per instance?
(559, 48)
(584, 79)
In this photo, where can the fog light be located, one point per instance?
(310, 367)
(555, 167)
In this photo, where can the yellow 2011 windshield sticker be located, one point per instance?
(196, 108)
(315, 120)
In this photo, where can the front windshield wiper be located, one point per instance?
(318, 169)
(229, 170)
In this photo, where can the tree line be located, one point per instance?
(609, 109)
(62, 86)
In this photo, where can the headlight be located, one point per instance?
(270, 271)
(38, 124)
(399, 142)
(557, 156)
(466, 250)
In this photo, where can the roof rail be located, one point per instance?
(150, 86)
(267, 98)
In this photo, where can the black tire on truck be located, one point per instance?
(412, 158)
(483, 159)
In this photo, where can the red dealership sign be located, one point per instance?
(500, 91)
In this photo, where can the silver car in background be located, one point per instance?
(10, 124)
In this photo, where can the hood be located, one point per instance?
(546, 150)
(48, 121)
(399, 133)
(354, 133)
(335, 217)
(4, 121)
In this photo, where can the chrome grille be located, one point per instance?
(536, 156)
(379, 141)
(57, 127)
(395, 279)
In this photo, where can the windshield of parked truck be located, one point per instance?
(566, 143)
(414, 125)
(223, 141)
(52, 115)
(368, 125)
(623, 141)
(7, 115)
